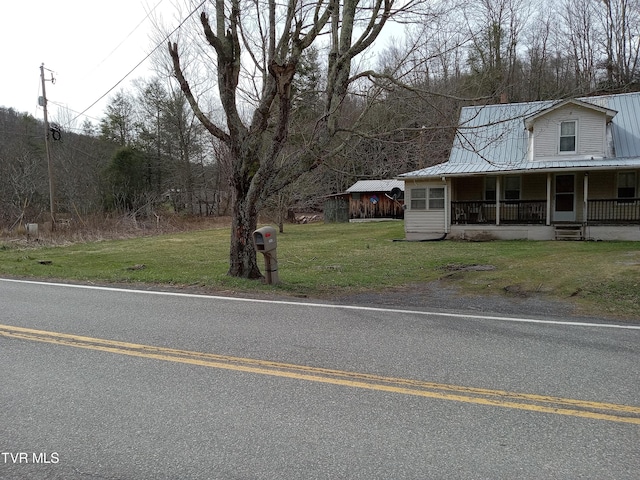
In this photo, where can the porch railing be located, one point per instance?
(602, 211)
(613, 211)
(511, 212)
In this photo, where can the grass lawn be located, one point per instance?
(317, 260)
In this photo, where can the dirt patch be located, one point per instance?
(517, 291)
(458, 267)
(441, 295)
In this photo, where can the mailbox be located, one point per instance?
(266, 242)
(265, 239)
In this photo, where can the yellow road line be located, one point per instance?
(521, 401)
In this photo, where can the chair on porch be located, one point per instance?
(536, 213)
(476, 214)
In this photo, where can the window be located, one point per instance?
(512, 188)
(568, 137)
(627, 185)
(418, 199)
(427, 198)
(436, 198)
(490, 189)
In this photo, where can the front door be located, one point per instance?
(565, 199)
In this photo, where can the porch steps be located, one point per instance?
(568, 231)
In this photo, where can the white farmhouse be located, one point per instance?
(539, 170)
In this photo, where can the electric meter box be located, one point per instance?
(265, 239)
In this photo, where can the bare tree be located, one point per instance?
(496, 27)
(539, 55)
(580, 32)
(621, 23)
(273, 37)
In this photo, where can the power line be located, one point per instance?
(139, 63)
(74, 111)
(129, 35)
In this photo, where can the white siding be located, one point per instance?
(591, 133)
(424, 222)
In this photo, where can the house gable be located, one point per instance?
(581, 126)
(531, 119)
(521, 137)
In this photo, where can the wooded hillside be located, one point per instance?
(150, 154)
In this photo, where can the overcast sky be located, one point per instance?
(88, 44)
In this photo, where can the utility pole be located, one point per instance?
(52, 196)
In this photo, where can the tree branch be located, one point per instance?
(186, 89)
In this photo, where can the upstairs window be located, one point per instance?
(568, 137)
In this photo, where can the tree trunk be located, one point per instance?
(242, 254)
(255, 148)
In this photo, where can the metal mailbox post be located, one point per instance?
(266, 242)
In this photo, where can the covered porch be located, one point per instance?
(608, 211)
(601, 203)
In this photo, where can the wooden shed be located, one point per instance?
(375, 199)
(336, 208)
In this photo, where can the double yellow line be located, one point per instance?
(499, 398)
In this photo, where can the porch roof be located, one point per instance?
(454, 169)
(494, 138)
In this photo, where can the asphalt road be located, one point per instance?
(122, 384)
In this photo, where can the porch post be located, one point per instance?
(498, 188)
(585, 195)
(548, 222)
(447, 205)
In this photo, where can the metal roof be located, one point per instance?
(452, 169)
(375, 186)
(493, 138)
